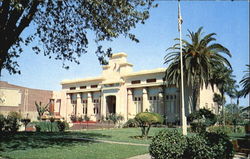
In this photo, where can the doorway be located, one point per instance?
(111, 104)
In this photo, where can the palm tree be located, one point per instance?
(200, 56)
(223, 78)
(245, 82)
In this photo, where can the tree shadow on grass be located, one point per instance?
(33, 140)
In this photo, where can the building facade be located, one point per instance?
(121, 91)
(22, 99)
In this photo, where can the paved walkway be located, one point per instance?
(108, 141)
(147, 156)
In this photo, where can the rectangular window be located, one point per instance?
(93, 86)
(136, 82)
(72, 88)
(84, 105)
(96, 106)
(83, 87)
(151, 80)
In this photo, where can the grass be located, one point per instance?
(130, 135)
(43, 145)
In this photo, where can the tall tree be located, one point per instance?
(60, 28)
(245, 82)
(200, 56)
(223, 78)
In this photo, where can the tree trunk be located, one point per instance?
(196, 96)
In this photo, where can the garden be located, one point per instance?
(143, 134)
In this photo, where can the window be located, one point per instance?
(136, 82)
(96, 106)
(151, 80)
(72, 88)
(138, 104)
(171, 104)
(154, 100)
(83, 87)
(84, 105)
(93, 86)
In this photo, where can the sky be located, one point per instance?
(228, 19)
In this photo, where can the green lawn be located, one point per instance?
(32, 145)
(59, 146)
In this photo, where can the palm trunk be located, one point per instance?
(196, 96)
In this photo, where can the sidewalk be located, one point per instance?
(147, 156)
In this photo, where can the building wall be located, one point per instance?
(27, 101)
(206, 99)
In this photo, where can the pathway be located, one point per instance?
(108, 141)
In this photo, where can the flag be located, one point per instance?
(179, 17)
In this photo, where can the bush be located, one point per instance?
(227, 129)
(220, 145)
(197, 148)
(38, 128)
(62, 125)
(12, 122)
(25, 122)
(115, 118)
(168, 144)
(73, 118)
(131, 123)
(2, 123)
(201, 119)
(46, 126)
(146, 119)
(172, 144)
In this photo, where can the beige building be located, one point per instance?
(120, 90)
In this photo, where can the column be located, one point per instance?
(79, 107)
(145, 102)
(90, 113)
(103, 106)
(130, 106)
(160, 105)
(68, 108)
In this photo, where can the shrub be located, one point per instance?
(115, 118)
(12, 122)
(201, 119)
(145, 121)
(168, 144)
(131, 123)
(73, 118)
(197, 148)
(79, 118)
(62, 125)
(25, 122)
(220, 144)
(2, 123)
(86, 118)
(46, 126)
(227, 129)
(38, 128)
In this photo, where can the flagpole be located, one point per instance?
(183, 116)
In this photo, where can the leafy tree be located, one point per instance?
(145, 121)
(245, 82)
(219, 100)
(233, 115)
(60, 29)
(41, 109)
(200, 56)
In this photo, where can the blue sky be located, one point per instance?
(229, 20)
